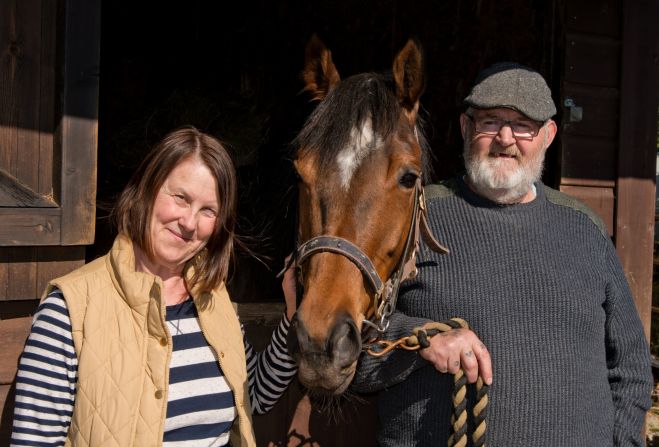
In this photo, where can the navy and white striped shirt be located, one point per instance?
(200, 404)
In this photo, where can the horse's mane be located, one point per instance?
(348, 104)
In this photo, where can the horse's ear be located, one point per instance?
(319, 73)
(408, 74)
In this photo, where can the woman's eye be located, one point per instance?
(408, 180)
(208, 212)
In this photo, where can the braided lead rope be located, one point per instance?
(419, 340)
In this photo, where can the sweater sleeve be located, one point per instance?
(47, 377)
(377, 373)
(270, 371)
(628, 359)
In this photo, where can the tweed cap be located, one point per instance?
(513, 86)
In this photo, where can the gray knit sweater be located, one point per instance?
(541, 285)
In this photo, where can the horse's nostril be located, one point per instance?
(345, 342)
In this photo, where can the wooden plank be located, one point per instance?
(601, 17)
(600, 110)
(600, 200)
(4, 394)
(22, 273)
(28, 34)
(259, 320)
(10, 51)
(573, 181)
(592, 60)
(21, 99)
(79, 125)
(4, 273)
(14, 333)
(588, 160)
(25, 271)
(53, 262)
(48, 90)
(28, 226)
(637, 156)
(13, 194)
(7, 396)
(261, 313)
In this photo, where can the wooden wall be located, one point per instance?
(49, 55)
(13, 332)
(637, 149)
(608, 95)
(591, 80)
(27, 76)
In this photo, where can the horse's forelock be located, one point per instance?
(365, 100)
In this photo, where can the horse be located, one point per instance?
(361, 159)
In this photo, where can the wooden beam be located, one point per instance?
(15, 194)
(637, 153)
(13, 334)
(7, 396)
(78, 130)
(29, 226)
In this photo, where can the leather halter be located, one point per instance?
(385, 294)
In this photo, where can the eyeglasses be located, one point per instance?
(492, 126)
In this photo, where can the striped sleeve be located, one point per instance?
(46, 378)
(270, 371)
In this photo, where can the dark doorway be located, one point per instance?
(232, 69)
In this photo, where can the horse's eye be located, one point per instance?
(408, 180)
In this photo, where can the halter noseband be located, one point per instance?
(385, 294)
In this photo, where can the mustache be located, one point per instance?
(511, 151)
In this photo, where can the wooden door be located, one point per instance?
(608, 129)
(49, 57)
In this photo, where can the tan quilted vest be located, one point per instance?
(124, 350)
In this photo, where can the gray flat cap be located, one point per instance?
(513, 86)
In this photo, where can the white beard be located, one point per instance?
(491, 178)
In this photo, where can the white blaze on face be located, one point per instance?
(362, 142)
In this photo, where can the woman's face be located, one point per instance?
(184, 214)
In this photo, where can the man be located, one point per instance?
(535, 274)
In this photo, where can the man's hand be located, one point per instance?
(459, 348)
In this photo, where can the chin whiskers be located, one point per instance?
(336, 408)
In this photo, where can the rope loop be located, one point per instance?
(420, 339)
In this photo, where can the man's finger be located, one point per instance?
(484, 362)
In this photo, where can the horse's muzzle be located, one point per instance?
(326, 365)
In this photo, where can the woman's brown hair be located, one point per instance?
(132, 212)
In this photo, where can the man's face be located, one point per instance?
(502, 165)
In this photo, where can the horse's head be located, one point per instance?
(359, 159)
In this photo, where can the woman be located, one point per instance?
(143, 347)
